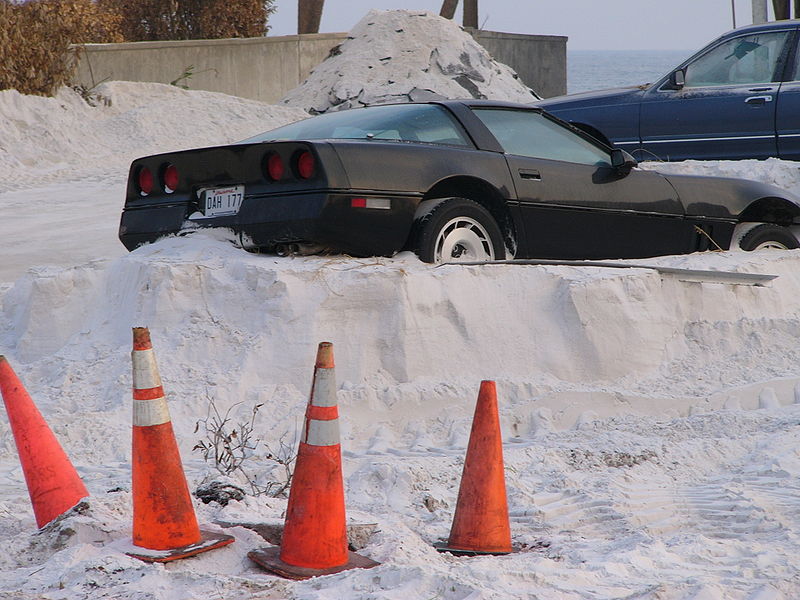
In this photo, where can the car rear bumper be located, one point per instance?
(358, 224)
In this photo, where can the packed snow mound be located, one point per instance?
(407, 334)
(42, 139)
(781, 173)
(401, 56)
(648, 423)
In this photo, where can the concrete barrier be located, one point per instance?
(267, 68)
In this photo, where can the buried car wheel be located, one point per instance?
(768, 235)
(459, 230)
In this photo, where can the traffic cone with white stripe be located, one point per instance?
(53, 483)
(164, 523)
(314, 538)
(480, 524)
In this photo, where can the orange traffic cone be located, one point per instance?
(480, 524)
(53, 483)
(164, 523)
(314, 538)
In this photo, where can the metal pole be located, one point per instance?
(760, 14)
(733, 12)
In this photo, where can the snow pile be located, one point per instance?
(42, 139)
(401, 56)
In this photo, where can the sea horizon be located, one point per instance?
(603, 69)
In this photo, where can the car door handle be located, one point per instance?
(758, 100)
(531, 174)
(761, 89)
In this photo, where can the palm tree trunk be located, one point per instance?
(781, 8)
(471, 13)
(448, 9)
(309, 14)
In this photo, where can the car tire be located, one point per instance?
(458, 230)
(768, 235)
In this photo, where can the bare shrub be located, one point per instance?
(35, 38)
(231, 449)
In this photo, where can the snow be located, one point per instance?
(651, 426)
(402, 55)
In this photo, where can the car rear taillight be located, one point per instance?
(305, 164)
(275, 166)
(170, 178)
(145, 181)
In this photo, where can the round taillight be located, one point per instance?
(305, 164)
(145, 181)
(275, 166)
(170, 178)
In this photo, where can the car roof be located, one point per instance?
(785, 24)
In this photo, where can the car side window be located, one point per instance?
(530, 133)
(743, 60)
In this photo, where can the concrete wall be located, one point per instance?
(259, 68)
(267, 68)
(539, 60)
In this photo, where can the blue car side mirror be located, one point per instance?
(677, 79)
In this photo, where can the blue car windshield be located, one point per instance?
(429, 123)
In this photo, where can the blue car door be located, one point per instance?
(787, 115)
(726, 107)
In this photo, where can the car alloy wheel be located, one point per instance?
(458, 230)
(463, 239)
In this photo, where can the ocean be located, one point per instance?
(602, 69)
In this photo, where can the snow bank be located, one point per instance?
(651, 435)
(782, 173)
(402, 55)
(43, 139)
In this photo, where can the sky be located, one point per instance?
(589, 24)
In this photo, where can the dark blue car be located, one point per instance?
(739, 97)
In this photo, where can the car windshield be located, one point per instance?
(396, 122)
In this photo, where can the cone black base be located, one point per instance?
(209, 541)
(269, 559)
(443, 547)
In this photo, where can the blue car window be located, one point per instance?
(743, 60)
(395, 122)
(530, 133)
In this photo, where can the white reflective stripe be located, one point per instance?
(384, 203)
(322, 433)
(145, 370)
(324, 392)
(150, 412)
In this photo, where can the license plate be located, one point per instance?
(216, 202)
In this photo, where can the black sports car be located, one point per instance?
(451, 180)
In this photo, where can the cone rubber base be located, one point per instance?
(209, 540)
(269, 559)
(443, 547)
